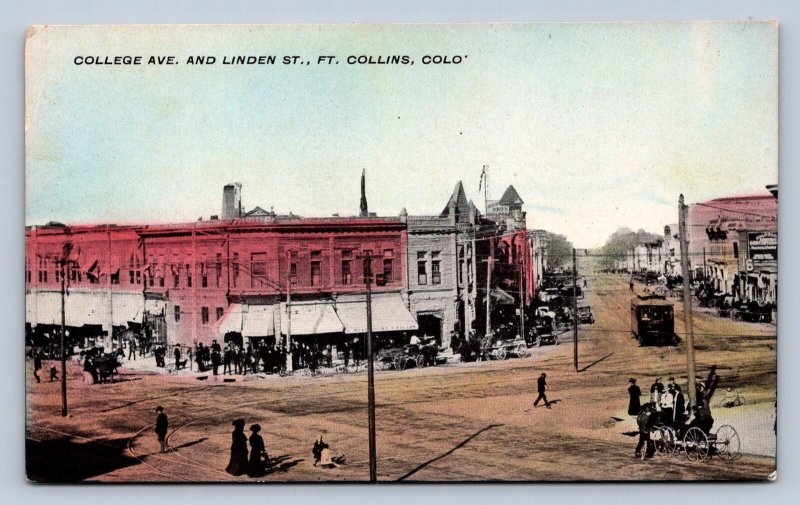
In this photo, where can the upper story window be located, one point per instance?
(436, 269)
(235, 268)
(347, 267)
(316, 268)
(258, 270)
(388, 266)
(293, 267)
(422, 268)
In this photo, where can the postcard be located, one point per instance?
(401, 253)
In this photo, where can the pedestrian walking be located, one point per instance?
(238, 462)
(162, 424)
(257, 464)
(53, 374)
(584, 283)
(132, 349)
(630, 284)
(634, 404)
(37, 365)
(541, 386)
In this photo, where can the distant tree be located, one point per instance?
(558, 250)
(621, 241)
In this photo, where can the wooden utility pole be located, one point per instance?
(373, 458)
(575, 309)
(62, 265)
(522, 299)
(289, 366)
(687, 300)
(489, 265)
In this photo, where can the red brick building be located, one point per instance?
(190, 283)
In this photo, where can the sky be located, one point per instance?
(597, 126)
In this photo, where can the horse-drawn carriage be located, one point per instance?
(696, 440)
(416, 355)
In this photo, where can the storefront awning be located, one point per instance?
(127, 307)
(80, 308)
(258, 321)
(311, 319)
(389, 313)
(155, 307)
(231, 320)
(502, 297)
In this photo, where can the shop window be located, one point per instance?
(204, 315)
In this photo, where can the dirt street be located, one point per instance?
(462, 422)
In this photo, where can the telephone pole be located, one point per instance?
(575, 309)
(687, 300)
(489, 264)
(61, 266)
(373, 458)
(289, 311)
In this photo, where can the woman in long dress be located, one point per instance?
(238, 461)
(634, 404)
(256, 466)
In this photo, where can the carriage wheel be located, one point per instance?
(419, 360)
(727, 443)
(522, 351)
(352, 367)
(399, 362)
(501, 353)
(665, 441)
(695, 444)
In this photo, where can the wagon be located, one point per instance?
(400, 358)
(502, 349)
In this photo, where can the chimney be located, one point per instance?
(363, 205)
(232, 201)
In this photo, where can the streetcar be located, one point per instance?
(652, 319)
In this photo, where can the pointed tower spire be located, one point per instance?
(364, 210)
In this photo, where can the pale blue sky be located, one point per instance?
(596, 125)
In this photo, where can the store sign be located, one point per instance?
(763, 246)
(495, 208)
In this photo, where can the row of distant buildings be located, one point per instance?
(257, 275)
(733, 246)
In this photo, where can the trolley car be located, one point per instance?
(652, 319)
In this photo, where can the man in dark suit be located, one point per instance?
(162, 424)
(541, 384)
